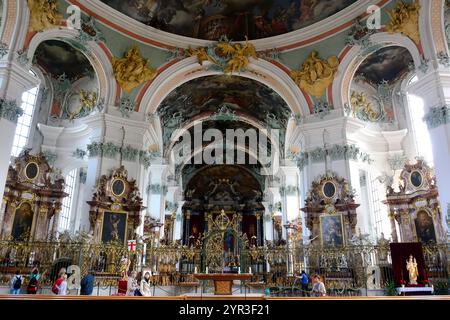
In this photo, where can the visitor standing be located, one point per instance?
(33, 283)
(318, 289)
(304, 279)
(132, 285)
(146, 285)
(16, 283)
(87, 284)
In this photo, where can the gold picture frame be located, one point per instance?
(113, 182)
(323, 189)
(26, 168)
(422, 180)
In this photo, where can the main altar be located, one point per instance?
(223, 282)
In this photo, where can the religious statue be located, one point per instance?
(363, 109)
(405, 19)
(132, 70)
(411, 266)
(115, 220)
(124, 267)
(316, 75)
(43, 14)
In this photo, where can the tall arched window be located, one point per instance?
(24, 122)
(421, 134)
(64, 218)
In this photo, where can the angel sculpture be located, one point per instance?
(239, 55)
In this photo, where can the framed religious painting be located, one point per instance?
(331, 230)
(114, 227)
(425, 227)
(23, 222)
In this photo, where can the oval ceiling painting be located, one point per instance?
(236, 19)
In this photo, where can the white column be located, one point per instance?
(156, 192)
(291, 193)
(268, 223)
(434, 89)
(178, 228)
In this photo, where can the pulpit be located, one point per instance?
(223, 282)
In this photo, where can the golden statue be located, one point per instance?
(43, 14)
(359, 103)
(236, 56)
(124, 267)
(316, 75)
(411, 266)
(239, 55)
(88, 101)
(201, 55)
(405, 19)
(131, 71)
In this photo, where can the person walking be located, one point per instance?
(16, 283)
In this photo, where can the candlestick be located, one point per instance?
(206, 269)
(195, 270)
(239, 270)
(250, 270)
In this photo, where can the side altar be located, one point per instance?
(223, 282)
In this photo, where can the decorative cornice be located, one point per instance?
(110, 150)
(444, 59)
(437, 117)
(336, 152)
(9, 110)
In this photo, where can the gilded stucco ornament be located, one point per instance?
(316, 75)
(132, 70)
(43, 14)
(225, 56)
(363, 109)
(88, 104)
(405, 19)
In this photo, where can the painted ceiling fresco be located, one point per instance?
(223, 179)
(58, 57)
(388, 64)
(238, 94)
(211, 19)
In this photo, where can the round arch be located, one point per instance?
(97, 57)
(258, 70)
(356, 55)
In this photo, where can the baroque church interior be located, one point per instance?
(212, 141)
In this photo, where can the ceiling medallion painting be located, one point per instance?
(405, 19)
(211, 19)
(58, 58)
(132, 70)
(315, 74)
(386, 65)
